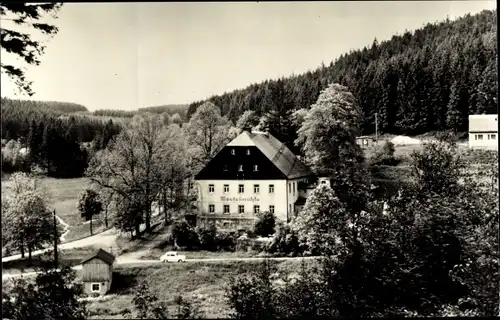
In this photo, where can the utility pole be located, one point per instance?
(376, 127)
(56, 259)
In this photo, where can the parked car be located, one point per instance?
(172, 256)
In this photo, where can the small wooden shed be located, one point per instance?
(366, 141)
(97, 272)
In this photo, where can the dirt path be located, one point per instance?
(66, 228)
(104, 239)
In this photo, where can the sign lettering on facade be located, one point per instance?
(239, 199)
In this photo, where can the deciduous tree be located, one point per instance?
(328, 140)
(53, 295)
(89, 206)
(138, 163)
(28, 223)
(207, 133)
(22, 44)
(248, 120)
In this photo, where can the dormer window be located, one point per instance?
(240, 167)
(233, 152)
(255, 168)
(248, 152)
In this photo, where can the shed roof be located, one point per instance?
(102, 255)
(275, 151)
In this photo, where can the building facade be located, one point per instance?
(483, 131)
(366, 141)
(253, 173)
(97, 272)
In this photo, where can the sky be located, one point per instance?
(133, 55)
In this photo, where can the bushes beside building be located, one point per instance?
(265, 223)
(208, 237)
(203, 237)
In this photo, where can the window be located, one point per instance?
(271, 188)
(226, 188)
(492, 136)
(290, 208)
(255, 168)
(241, 188)
(289, 187)
(248, 152)
(256, 209)
(271, 209)
(241, 208)
(240, 167)
(225, 167)
(256, 188)
(479, 137)
(96, 287)
(294, 188)
(233, 152)
(226, 209)
(323, 182)
(211, 188)
(211, 208)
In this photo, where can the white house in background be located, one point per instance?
(253, 173)
(483, 131)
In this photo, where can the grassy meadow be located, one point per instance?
(63, 195)
(203, 283)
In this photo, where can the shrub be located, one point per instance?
(184, 235)
(252, 296)
(207, 235)
(265, 223)
(226, 241)
(186, 310)
(384, 155)
(285, 241)
(148, 305)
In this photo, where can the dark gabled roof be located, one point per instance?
(100, 254)
(276, 152)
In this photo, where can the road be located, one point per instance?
(136, 262)
(104, 239)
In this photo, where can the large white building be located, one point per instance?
(253, 173)
(483, 131)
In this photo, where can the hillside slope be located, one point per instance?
(421, 81)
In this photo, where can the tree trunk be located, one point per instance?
(165, 206)
(171, 196)
(29, 254)
(22, 248)
(106, 216)
(137, 229)
(148, 219)
(90, 225)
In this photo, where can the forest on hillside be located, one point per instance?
(427, 80)
(59, 137)
(170, 109)
(53, 107)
